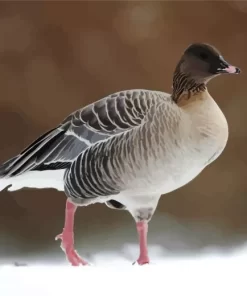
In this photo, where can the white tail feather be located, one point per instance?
(35, 179)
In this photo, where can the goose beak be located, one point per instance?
(225, 67)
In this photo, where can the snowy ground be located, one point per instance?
(186, 260)
(210, 275)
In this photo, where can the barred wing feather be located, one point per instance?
(98, 121)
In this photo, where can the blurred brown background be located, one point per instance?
(56, 57)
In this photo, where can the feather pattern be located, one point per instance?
(106, 167)
(170, 141)
(59, 147)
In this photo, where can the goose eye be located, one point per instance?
(203, 56)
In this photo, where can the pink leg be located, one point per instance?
(67, 236)
(142, 229)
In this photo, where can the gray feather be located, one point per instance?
(59, 147)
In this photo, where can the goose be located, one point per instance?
(128, 149)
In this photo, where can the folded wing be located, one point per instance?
(57, 148)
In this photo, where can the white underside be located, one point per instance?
(35, 179)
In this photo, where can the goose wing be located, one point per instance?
(58, 147)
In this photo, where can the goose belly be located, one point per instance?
(168, 171)
(164, 177)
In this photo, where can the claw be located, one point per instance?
(75, 259)
(59, 236)
(67, 246)
(67, 237)
(141, 261)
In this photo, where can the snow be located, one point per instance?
(186, 259)
(205, 275)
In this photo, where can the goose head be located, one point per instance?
(203, 60)
(199, 63)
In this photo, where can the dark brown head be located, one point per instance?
(199, 63)
(204, 61)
